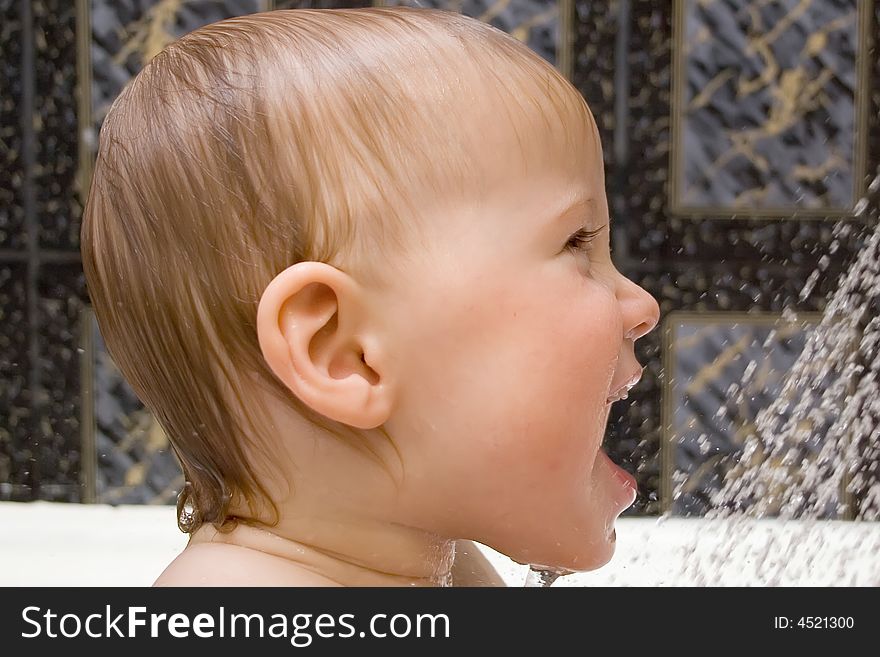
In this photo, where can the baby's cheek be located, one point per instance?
(583, 339)
(579, 363)
(550, 436)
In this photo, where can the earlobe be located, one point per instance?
(310, 325)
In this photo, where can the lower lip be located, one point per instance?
(626, 482)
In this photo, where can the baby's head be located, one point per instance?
(357, 264)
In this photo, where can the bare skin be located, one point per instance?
(206, 563)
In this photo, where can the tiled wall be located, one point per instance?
(727, 160)
(722, 260)
(766, 114)
(723, 369)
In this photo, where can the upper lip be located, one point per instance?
(628, 383)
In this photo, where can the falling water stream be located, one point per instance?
(542, 577)
(812, 451)
(815, 447)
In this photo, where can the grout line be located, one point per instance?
(621, 135)
(28, 148)
(43, 255)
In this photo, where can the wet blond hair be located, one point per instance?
(261, 141)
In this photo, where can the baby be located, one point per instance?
(357, 264)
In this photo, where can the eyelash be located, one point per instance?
(582, 239)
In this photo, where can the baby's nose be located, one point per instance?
(641, 311)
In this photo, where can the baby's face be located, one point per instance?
(509, 340)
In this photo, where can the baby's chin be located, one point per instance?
(573, 553)
(574, 532)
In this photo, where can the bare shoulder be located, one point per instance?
(222, 564)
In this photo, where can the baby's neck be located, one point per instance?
(348, 554)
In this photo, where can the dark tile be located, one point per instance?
(595, 33)
(55, 123)
(62, 296)
(17, 427)
(12, 227)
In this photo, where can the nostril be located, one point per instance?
(639, 331)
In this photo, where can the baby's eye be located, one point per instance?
(581, 240)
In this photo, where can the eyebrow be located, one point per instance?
(579, 207)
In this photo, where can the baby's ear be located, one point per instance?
(312, 328)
